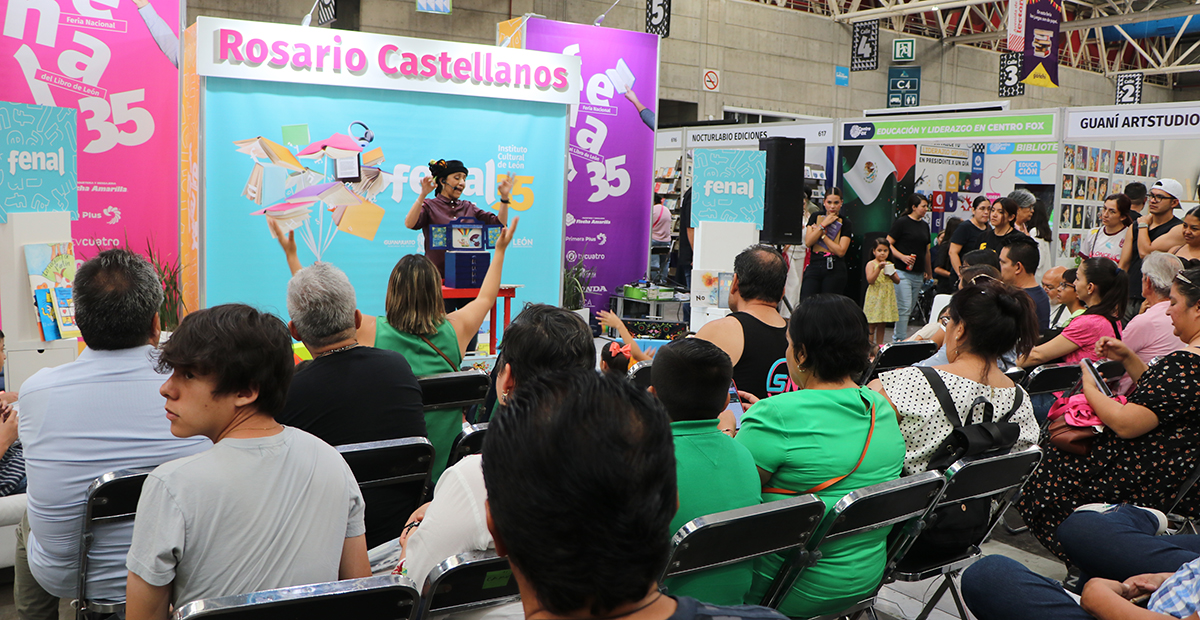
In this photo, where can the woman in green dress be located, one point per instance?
(417, 326)
(807, 441)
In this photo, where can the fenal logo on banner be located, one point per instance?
(283, 53)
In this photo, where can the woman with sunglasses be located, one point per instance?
(1149, 444)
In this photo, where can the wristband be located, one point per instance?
(503, 201)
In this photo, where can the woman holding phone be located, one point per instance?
(1149, 444)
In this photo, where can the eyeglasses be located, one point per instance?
(1157, 197)
(945, 320)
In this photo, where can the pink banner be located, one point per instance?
(115, 61)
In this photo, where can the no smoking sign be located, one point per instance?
(712, 81)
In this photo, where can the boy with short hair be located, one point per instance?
(267, 506)
(691, 377)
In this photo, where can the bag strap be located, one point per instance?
(833, 481)
(1018, 400)
(1116, 327)
(453, 366)
(943, 395)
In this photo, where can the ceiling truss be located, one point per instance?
(1162, 54)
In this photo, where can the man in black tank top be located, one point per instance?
(755, 334)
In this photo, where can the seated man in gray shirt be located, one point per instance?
(267, 506)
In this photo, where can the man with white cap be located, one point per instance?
(1159, 230)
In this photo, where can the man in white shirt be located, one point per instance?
(98, 414)
(267, 506)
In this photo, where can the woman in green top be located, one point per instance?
(805, 438)
(416, 326)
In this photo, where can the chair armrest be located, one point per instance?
(12, 509)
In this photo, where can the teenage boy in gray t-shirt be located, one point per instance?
(267, 506)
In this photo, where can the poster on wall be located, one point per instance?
(1040, 55)
(610, 159)
(274, 157)
(727, 186)
(116, 63)
(1010, 75)
(38, 170)
(658, 17)
(1129, 88)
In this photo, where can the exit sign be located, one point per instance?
(904, 50)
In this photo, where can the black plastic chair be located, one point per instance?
(468, 442)
(898, 355)
(388, 597)
(454, 389)
(467, 581)
(995, 478)
(1016, 374)
(904, 502)
(1049, 378)
(401, 466)
(639, 374)
(738, 535)
(111, 498)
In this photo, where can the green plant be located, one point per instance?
(172, 310)
(576, 279)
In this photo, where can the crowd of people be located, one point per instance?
(584, 477)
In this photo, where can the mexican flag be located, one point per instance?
(875, 180)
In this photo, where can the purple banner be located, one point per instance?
(611, 154)
(1042, 20)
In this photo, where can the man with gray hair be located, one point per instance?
(1151, 334)
(350, 393)
(79, 421)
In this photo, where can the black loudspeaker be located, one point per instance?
(783, 191)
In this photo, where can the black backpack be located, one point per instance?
(953, 528)
(989, 437)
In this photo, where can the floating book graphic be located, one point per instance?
(337, 146)
(276, 154)
(254, 185)
(621, 77)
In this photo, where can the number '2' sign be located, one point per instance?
(1129, 88)
(658, 17)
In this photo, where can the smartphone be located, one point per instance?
(735, 406)
(1090, 368)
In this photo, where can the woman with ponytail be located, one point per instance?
(985, 320)
(1104, 288)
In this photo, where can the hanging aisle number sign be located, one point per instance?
(1010, 75)
(1129, 88)
(864, 47)
(658, 17)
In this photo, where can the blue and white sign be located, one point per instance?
(38, 166)
(727, 186)
(841, 76)
(1029, 171)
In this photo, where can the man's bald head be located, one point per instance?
(1051, 280)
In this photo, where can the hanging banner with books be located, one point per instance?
(1040, 55)
(116, 63)
(611, 149)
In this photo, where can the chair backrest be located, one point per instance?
(736, 535)
(454, 389)
(639, 374)
(1015, 373)
(388, 597)
(111, 498)
(468, 581)
(392, 462)
(468, 442)
(903, 502)
(1052, 378)
(898, 355)
(1184, 489)
(998, 478)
